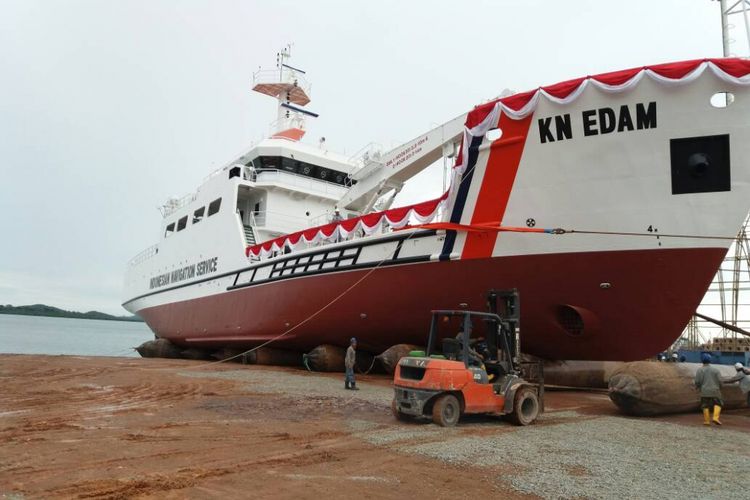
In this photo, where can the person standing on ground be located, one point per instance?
(743, 377)
(708, 381)
(351, 358)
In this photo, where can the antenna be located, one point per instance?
(282, 56)
(288, 85)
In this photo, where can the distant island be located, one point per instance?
(43, 310)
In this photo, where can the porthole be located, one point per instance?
(722, 99)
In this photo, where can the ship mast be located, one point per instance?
(738, 7)
(290, 88)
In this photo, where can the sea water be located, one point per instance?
(86, 337)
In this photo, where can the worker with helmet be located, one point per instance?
(708, 381)
(743, 377)
(351, 358)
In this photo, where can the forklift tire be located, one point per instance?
(525, 406)
(402, 417)
(446, 410)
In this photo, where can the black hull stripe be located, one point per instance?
(281, 261)
(461, 196)
(355, 267)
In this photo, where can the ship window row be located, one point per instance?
(307, 169)
(213, 208)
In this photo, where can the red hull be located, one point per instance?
(652, 295)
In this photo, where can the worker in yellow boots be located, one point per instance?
(708, 381)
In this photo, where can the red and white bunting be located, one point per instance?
(733, 71)
(396, 218)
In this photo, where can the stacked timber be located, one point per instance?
(728, 344)
(645, 388)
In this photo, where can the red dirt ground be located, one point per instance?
(94, 427)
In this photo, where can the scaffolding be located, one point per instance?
(727, 300)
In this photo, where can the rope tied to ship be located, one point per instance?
(294, 327)
(490, 227)
(485, 227)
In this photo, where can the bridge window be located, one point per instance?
(169, 230)
(214, 206)
(198, 215)
(270, 162)
(289, 165)
(306, 169)
(182, 223)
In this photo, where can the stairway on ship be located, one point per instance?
(249, 235)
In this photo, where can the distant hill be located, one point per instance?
(43, 310)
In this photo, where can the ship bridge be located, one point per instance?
(287, 186)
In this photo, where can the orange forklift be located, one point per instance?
(470, 374)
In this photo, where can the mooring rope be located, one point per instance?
(495, 227)
(653, 235)
(369, 369)
(306, 320)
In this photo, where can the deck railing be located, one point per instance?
(144, 255)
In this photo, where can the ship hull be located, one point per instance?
(628, 304)
(608, 202)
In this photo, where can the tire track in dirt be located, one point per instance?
(155, 483)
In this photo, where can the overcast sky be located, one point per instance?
(109, 107)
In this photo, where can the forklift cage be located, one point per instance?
(501, 328)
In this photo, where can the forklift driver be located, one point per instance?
(475, 359)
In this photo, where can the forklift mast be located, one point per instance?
(507, 305)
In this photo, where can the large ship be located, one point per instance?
(608, 202)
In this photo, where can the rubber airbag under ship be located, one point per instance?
(608, 201)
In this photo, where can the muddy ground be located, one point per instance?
(95, 427)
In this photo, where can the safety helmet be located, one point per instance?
(705, 358)
(353, 340)
(738, 366)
